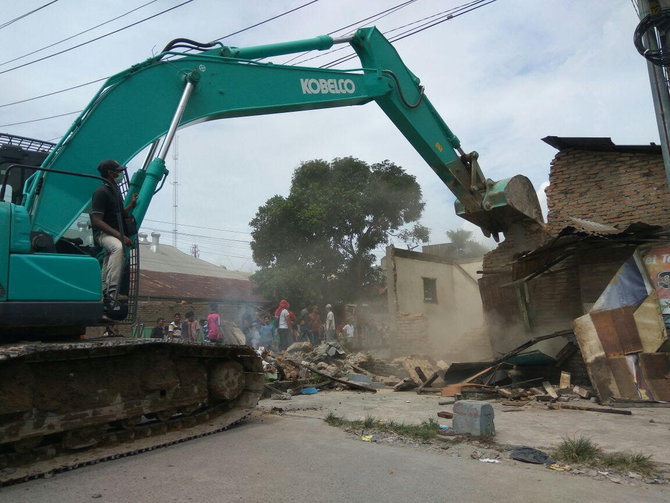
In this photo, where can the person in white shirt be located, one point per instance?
(330, 323)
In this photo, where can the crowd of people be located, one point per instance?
(275, 331)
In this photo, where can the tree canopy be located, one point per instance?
(316, 244)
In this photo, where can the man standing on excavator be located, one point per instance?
(107, 218)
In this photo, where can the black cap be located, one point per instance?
(109, 165)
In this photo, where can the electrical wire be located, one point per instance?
(219, 39)
(373, 18)
(40, 119)
(11, 21)
(197, 226)
(266, 20)
(200, 236)
(464, 9)
(472, 6)
(77, 34)
(96, 38)
(54, 92)
(442, 16)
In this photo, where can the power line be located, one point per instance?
(446, 16)
(105, 78)
(466, 8)
(196, 226)
(11, 21)
(351, 55)
(96, 38)
(204, 236)
(41, 119)
(372, 18)
(266, 20)
(77, 34)
(55, 92)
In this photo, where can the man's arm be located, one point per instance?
(131, 204)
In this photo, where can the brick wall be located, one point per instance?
(411, 335)
(499, 300)
(615, 188)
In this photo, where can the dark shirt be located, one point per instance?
(107, 202)
(157, 333)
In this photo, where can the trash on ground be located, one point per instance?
(531, 455)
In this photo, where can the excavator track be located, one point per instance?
(96, 399)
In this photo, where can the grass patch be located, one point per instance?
(639, 463)
(577, 450)
(334, 420)
(583, 451)
(425, 431)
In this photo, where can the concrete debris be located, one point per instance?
(331, 361)
(473, 417)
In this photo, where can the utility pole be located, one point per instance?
(652, 40)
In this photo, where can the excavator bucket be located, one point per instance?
(506, 202)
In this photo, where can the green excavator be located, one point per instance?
(54, 385)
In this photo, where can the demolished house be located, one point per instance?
(434, 305)
(596, 270)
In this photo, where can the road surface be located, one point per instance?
(273, 458)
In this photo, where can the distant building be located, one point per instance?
(172, 281)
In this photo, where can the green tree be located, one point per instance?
(316, 244)
(464, 247)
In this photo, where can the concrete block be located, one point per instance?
(473, 417)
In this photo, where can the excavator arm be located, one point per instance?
(150, 100)
(146, 104)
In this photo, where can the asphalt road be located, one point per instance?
(287, 458)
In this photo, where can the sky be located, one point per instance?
(502, 76)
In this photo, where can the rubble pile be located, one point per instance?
(331, 361)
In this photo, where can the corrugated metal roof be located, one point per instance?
(601, 144)
(173, 285)
(169, 273)
(170, 259)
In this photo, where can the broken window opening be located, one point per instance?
(430, 290)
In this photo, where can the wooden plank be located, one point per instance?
(607, 333)
(587, 337)
(656, 370)
(607, 410)
(624, 323)
(623, 377)
(455, 389)
(420, 373)
(624, 402)
(430, 381)
(351, 384)
(565, 380)
(603, 380)
(650, 324)
(549, 389)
